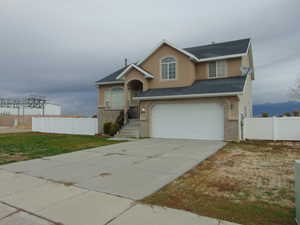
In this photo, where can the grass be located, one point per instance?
(24, 146)
(250, 183)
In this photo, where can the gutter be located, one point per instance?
(109, 82)
(189, 96)
(222, 57)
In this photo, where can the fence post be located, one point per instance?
(274, 128)
(244, 129)
(297, 190)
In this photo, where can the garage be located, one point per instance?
(203, 121)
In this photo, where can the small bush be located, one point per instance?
(265, 114)
(114, 128)
(111, 128)
(296, 113)
(107, 128)
(287, 114)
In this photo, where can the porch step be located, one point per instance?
(131, 129)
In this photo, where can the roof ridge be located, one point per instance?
(217, 43)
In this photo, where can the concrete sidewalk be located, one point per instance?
(25, 200)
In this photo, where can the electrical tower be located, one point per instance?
(32, 101)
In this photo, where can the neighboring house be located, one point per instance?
(202, 92)
(50, 110)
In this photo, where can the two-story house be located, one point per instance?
(201, 92)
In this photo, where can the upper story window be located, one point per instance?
(168, 68)
(217, 69)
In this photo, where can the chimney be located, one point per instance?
(125, 62)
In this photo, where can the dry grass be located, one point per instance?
(251, 183)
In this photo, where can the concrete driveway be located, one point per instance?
(132, 170)
(99, 186)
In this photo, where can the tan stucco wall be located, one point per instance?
(134, 74)
(233, 68)
(185, 68)
(246, 99)
(231, 113)
(105, 116)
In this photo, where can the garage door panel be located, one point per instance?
(191, 121)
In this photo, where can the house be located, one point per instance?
(201, 92)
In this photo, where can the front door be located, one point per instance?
(133, 112)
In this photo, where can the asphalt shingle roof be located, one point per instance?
(201, 52)
(220, 49)
(210, 86)
(113, 76)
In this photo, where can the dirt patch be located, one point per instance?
(257, 176)
(12, 157)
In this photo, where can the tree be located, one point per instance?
(265, 114)
(296, 113)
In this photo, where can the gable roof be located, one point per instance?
(202, 53)
(188, 54)
(146, 74)
(112, 77)
(220, 50)
(218, 87)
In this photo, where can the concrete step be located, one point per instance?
(129, 132)
(131, 129)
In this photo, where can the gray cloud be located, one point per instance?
(59, 48)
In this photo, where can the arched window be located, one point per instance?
(168, 68)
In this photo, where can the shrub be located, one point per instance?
(287, 114)
(114, 128)
(265, 114)
(107, 128)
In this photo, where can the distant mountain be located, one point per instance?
(275, 108)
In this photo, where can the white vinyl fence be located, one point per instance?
(85, 126)
(273, 128)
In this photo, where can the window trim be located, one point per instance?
(160, 65)
(217, 71)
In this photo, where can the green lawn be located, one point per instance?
(24, 146)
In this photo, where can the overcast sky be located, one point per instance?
(59, 48)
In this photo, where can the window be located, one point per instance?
(217, 69)
(107, 98)
(114, 98)
(168, 68)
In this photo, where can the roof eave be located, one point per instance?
(221, 94)
(223, 57)
(109, 82)
(146, 74)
